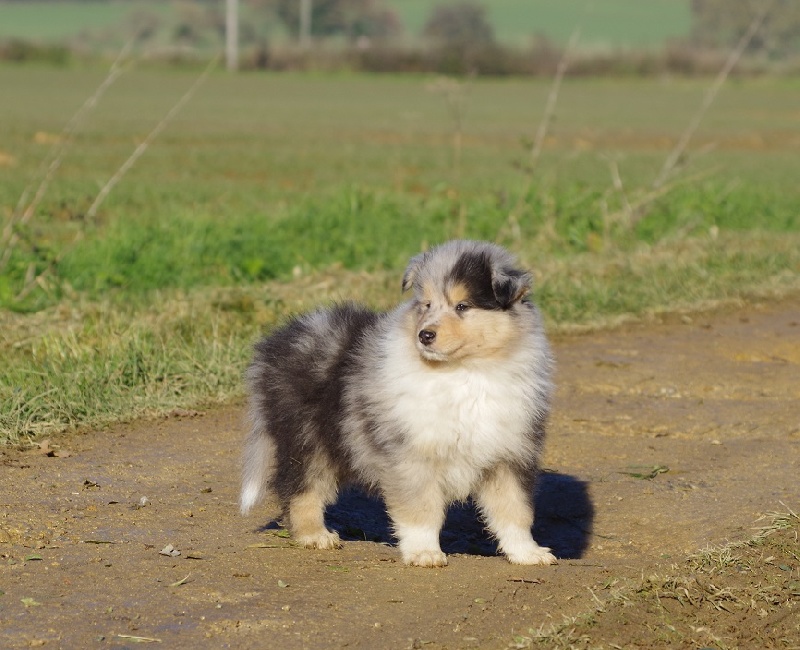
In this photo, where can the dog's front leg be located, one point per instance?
(417, 512)
(507, 508)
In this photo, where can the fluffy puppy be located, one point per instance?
(441, 399)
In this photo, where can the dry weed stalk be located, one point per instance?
(455, 96)
(541, 132)
(39, 280)
(137, 153)
(24, 210)
(550, 105)
(677, 152)
(634, 212)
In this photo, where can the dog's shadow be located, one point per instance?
(564, 518)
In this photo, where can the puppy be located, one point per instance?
(441, 399)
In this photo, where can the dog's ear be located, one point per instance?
(411, 271)
(510, 286)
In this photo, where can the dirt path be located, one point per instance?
(713, 399)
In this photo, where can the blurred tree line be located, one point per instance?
(715, 23)
(352, 19)
(459, 23)
(721, 23)
(456, 37)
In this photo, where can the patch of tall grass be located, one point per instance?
(96, 363)
(87, 362)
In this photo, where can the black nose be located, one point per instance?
(426, 337)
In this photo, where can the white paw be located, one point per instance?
(325, 540)
(425, 558)
(534, 554)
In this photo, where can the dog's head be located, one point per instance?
(467, 300)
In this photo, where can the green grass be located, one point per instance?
(270, 193)
(124, 354)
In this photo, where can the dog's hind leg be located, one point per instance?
(507, 508)
(307, 508)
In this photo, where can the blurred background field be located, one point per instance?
(607, 23)
(447, 36)
(269, 192)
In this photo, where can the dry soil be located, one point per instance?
(666, 437)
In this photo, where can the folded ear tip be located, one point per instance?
(511, 286)
(411, 271)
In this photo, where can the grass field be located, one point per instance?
(268, 193)
(626, 23)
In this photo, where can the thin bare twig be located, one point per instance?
(455, 95)
(552, 99)
(733, 58)
(23, 213)
(541, 132)
(39, 279)
(635, 209)
(619, 187)
(137, 153)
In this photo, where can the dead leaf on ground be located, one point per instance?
(170, 551)
(180, 582)
(44, 447)
(648, 474)
(183, 413)
(138, 639)
(265, 545)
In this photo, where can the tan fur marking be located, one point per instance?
(478, 333)
(503, 501)
(418, 515)
(429, 293)
(457, 293)
(307, 509)
(421, 508)
(522, 292)
(508, 512)
(474, 333)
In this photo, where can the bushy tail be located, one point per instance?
(257, 468)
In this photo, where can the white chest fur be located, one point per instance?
(460, 419)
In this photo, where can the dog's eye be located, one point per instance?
(462, 306)
(425, 304)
